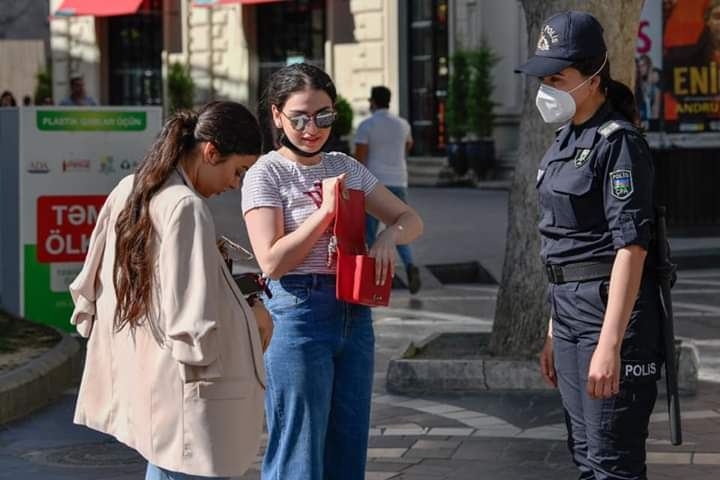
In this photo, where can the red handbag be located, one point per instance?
(355, 273)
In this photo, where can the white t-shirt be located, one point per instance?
(277, 181)
(385, 135)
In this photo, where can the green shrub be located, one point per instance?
(456, 107)
(181, 88)
(480, 104)
(343, 123)
(43, 86)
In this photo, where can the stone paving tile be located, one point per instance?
(415, 476)
(667, 447)
(441, 409)
(675, 472)
(417, 403)
(380, 475)
(706, 459)
(428, 420)
(497, 431)
(399, 460)
(461, 414)
(430, 453)
(391, 442)
(426, 468)
(405, 431)
(399, 425)
(676, 458)
(388, 398)
(428, 444)
(477, 451)
(450, 431)
(383, 466)
(386, 452)
(485, 421)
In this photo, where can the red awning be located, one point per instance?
(97, 8)
(212, 3)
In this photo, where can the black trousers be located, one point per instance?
(606, 437)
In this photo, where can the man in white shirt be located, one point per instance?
(381, 143)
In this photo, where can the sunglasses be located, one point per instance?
(323, 119)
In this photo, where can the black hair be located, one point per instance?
(283, 83)
(618, 94)
(380, 95)
(7, 94)
(232, 129)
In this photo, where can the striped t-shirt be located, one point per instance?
(276, 181)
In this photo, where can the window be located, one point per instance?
(428, 74)
(135, 56)
(290, 32)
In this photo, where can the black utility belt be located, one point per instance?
(578, 272)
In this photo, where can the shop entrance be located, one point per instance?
(289, 32)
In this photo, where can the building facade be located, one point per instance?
(24, 45)
(232, 47)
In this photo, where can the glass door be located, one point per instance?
(428, 74)
(135, 56)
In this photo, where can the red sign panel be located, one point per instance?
(64, 226)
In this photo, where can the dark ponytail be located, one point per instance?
(622, 100)
(618, 94)
(231, 128)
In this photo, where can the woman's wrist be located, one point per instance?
(394, 232)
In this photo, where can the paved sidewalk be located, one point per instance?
(492, 436)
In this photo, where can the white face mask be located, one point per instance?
(558, 106)
(555, 106)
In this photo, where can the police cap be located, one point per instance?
(565, 38)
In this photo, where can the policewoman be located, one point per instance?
(595, 185)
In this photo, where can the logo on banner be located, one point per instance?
(76, 165)
(127, 165)
(107, 164)
(64, 226)
(38, 167)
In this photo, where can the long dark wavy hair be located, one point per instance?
(618, 94)
(232, 129)
(283, 83)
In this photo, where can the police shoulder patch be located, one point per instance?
(609, 128)
(621, 184)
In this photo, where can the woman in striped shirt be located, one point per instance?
(320, 361)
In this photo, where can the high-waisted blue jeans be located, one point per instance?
(319, 382)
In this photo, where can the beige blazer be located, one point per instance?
(189, 396)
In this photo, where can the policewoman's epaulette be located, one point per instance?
(608, 128)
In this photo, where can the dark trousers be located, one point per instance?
(606, 437)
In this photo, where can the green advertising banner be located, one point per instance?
(42, 304)
(69, 160)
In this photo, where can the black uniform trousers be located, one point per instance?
(607, 436)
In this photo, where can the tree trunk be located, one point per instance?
(522, 312)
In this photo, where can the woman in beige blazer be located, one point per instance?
(174, 365)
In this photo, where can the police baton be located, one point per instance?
(666, 271)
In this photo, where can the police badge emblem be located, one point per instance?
(582, 157)
(621, 184)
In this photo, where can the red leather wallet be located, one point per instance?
(355, 269)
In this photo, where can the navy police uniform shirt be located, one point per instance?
(596, 190)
